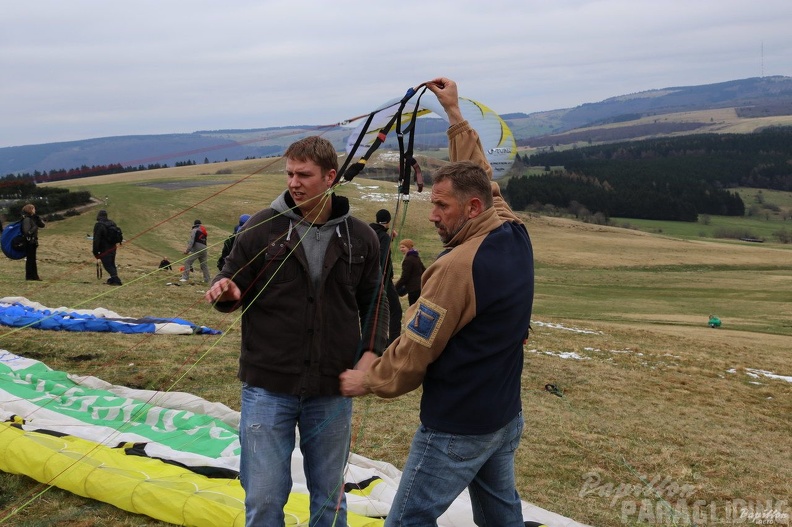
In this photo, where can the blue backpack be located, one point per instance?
(13, 241)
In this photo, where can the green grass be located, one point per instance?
(767, 212)
(690, 294)
(655, 393)
(757, 227)
(778, 197)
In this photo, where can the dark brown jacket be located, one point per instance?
(412, 269)
(298, 339)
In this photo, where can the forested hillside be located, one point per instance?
(16, 192)
(669, 179)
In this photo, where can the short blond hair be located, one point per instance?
(316, 149)
(407, 243)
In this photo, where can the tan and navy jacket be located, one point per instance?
(463, 338)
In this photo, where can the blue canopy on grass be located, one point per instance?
(19, 312)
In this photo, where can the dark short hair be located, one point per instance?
(467, 180)
(383, 216)
(316, 149)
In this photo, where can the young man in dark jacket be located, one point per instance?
(463, 343)
(384, 235)
(307, 275)
(104, 248)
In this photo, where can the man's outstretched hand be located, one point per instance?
(446, 92)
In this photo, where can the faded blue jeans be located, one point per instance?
(440, 466)
(267, 435)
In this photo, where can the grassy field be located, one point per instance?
(651, 408)
(768, 213)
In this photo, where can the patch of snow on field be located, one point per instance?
(628, 350)
(551, 325)
(770, 375)
(374, 193)
(379, 197)
(560, 354)
(390, 157)
(756, 374)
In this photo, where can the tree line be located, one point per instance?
(18, 189)
(15, 193)
(666, 179)
(83, 171)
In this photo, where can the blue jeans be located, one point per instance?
(266, 432)
(440, 466)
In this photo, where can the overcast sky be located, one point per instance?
(80, 69)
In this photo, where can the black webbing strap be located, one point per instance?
(406, 160)
(350, 171)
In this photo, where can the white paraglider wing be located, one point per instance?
(496, 137)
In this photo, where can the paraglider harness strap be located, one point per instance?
(349, 172)
(406, 160)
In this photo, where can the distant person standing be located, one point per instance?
(383, 218)
(106, 237)
(196, 248)
(228, 244)
(31, 223)
(412, 269)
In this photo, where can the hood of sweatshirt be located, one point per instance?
(339, 208)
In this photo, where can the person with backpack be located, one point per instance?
(196, 248)
(228, 244)
(106, 237)
(31, 223)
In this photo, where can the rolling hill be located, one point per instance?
(741, 106)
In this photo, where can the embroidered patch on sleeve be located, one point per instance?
(426, 322)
